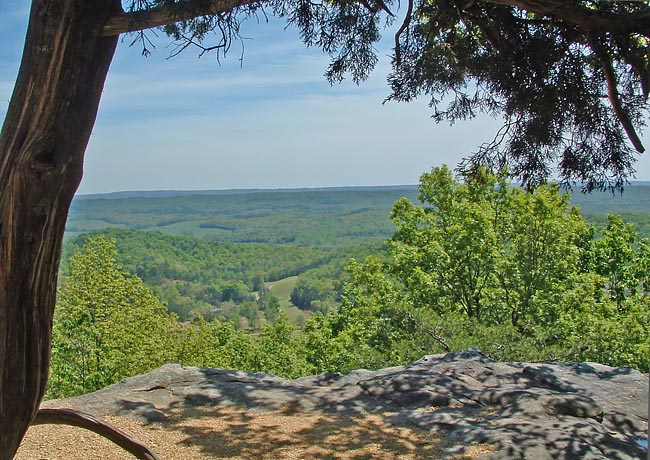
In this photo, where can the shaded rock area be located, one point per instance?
(523, 410)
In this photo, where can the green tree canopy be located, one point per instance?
(107, 326)
(480, 262)
(492, 250)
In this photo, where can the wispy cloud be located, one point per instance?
(317, 140)
(122, 86)
(203, 86)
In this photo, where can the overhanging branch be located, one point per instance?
(190, 9)
(398, 34)
(586, 18)
(566, 10)
(614, 96)
(163, 15)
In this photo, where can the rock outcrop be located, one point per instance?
(523, 410)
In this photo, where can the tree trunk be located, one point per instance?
(43, 140)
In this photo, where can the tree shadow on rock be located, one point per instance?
(288, 434)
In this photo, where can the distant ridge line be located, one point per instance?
(244, 191)
(174, 193)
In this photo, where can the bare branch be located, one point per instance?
(491, 354)
(433, 334)
(570, 354)
(88, 422)
(614, 97)
(398, 34)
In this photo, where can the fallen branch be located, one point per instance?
(88, 422)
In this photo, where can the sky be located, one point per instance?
(268, 121)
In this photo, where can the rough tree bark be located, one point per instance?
(43, 139)
(44, 136)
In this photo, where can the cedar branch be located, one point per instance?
(566, 10)
(588, 19)
(398, 34)
(164, 15)
(187, 10)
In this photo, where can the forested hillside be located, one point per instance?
(310, 217)
(196, 276)
(633, 205)
(316, 218)
(211, 252)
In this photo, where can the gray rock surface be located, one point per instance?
(525, 410)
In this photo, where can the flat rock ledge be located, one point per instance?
(524, 410)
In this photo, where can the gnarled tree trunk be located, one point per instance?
(43, 139)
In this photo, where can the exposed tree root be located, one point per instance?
(88, 422)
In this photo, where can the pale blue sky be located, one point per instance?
(273, 122)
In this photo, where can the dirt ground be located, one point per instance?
(231, 433)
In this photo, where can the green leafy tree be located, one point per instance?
(280, 350)
(642, 267)
(595, 327)
(615, 256)
(483, 263)
(108, 324)
(271, 306)
(257, 282)
(445, 251)
(212, 344)
(314, 293)
(369, 327)
(541, 241)
(495, 251)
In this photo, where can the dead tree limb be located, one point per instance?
(431, 333)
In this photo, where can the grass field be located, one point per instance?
(281, 290)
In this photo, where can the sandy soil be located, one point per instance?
(218, 433)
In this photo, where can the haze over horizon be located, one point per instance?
(188, 191)
(268, 121)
